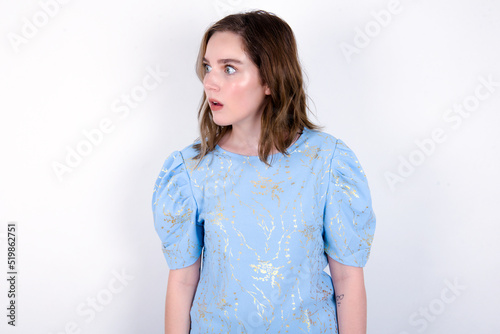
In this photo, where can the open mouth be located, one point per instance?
(215, 103)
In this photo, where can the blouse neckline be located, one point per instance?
(295, 145)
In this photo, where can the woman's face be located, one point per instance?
(232, 79)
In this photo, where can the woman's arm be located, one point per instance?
(182, 284)
(350, 296)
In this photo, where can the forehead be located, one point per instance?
(225, 44)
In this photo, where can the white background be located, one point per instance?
(436, 226)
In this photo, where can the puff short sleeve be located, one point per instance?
(175, 214)
(349, 220)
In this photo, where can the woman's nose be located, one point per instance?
(210, 82)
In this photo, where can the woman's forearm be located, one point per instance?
(181, 289)
(177, 307)
(350, 296)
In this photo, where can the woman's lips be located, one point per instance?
(215, 105)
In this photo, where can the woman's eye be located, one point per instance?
(230, 69)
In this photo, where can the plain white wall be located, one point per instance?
(387, 77)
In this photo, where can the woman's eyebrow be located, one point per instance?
(225, 61)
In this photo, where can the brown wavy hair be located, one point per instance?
(270, 43)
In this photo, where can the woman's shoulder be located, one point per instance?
(332, 148)
(189, 153)
(324, 142)
(321, 136)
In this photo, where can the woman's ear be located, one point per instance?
(267, 91)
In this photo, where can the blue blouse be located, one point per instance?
(265, 232)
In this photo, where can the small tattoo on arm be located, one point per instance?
(339, 298)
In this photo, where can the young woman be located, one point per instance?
(269, 198)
